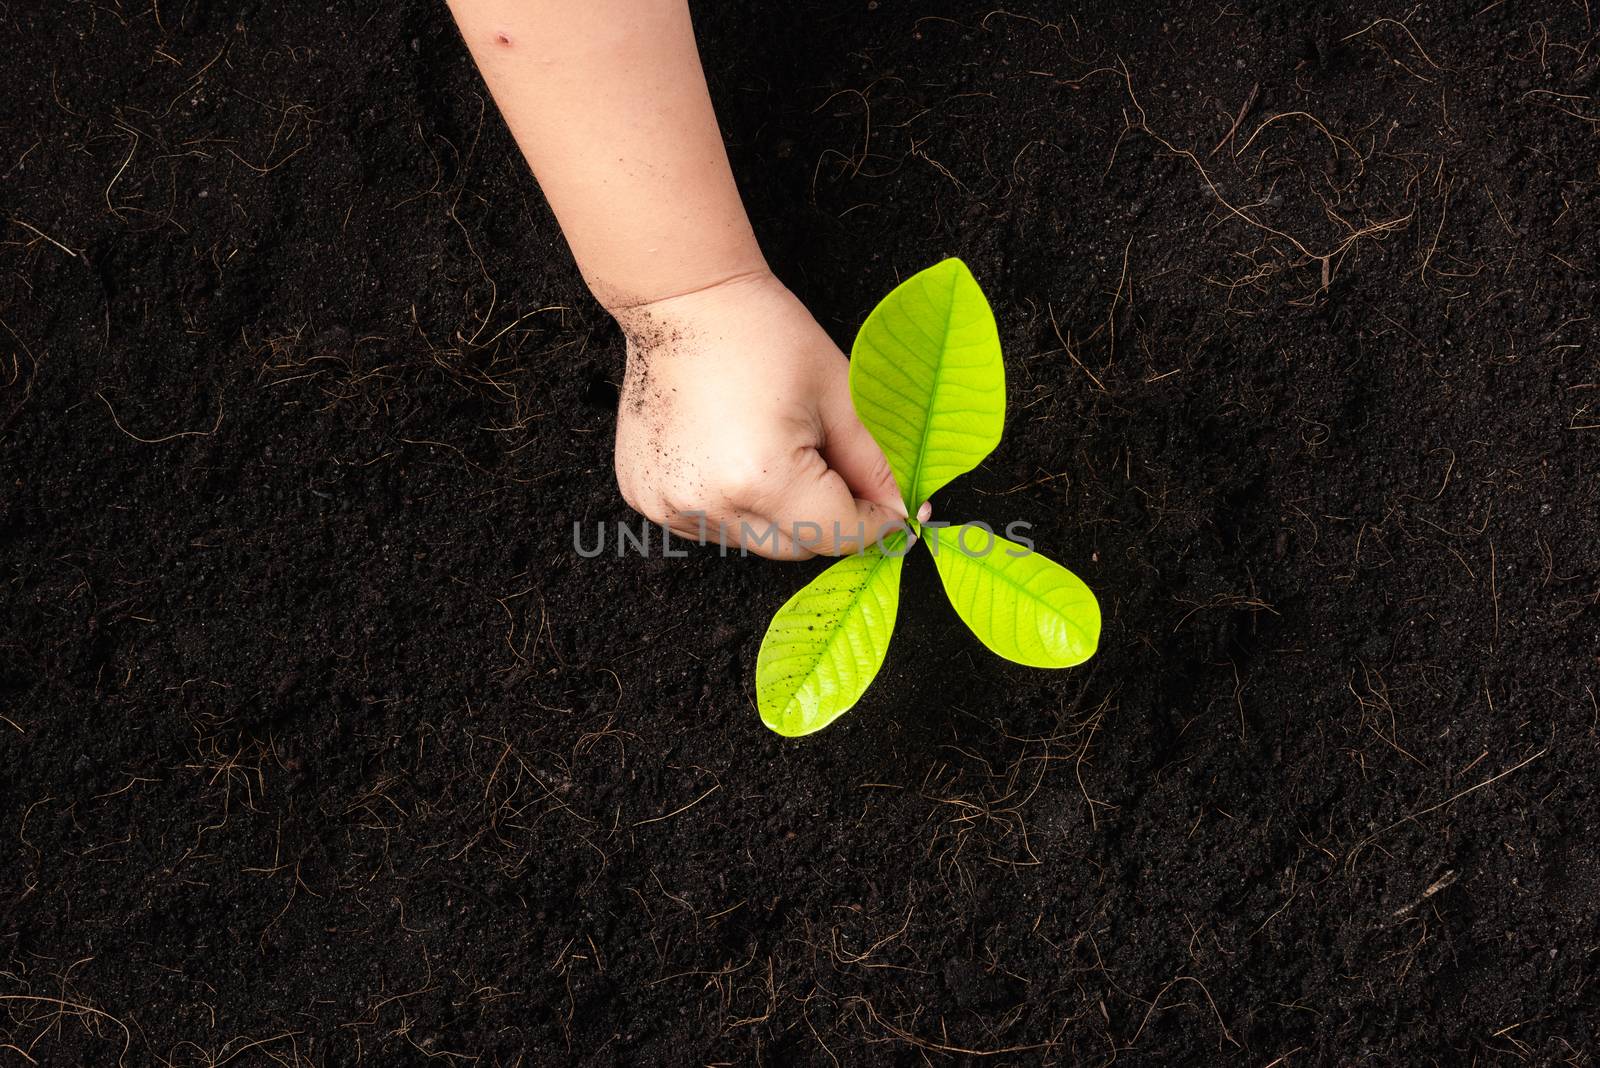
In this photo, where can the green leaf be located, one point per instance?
(1023, 606)
(927, 379)
(826, 644)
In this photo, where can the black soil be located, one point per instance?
(320, 745)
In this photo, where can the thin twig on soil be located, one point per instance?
(167, 437)
(63, 1007)
(1244, 109)
(1369, 839)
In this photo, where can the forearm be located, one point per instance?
(608, 102)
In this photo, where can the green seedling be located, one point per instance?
(928, 381)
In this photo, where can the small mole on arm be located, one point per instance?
(502, 38)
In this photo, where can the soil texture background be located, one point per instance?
(320, 746)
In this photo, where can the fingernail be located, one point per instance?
(925, 513)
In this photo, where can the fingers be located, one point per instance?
(849, 449)
(813, 513)
(763, 537)
(819, 513)
(738, 530)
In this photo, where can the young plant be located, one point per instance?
(927, 379)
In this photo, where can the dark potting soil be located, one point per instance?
(320, 745)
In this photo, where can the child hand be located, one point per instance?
(735, 425)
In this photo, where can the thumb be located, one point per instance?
(849, 448)
(822, 515)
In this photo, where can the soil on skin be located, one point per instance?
(321, 746)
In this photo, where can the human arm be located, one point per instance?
(735, 405)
